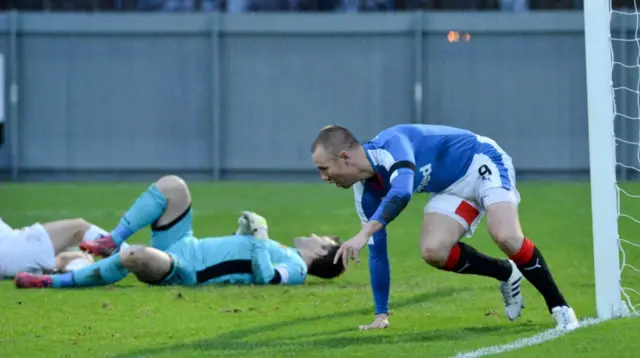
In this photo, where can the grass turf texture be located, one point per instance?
(434, 314)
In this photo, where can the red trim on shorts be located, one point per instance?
(453, 258)
(468, 212)
(525, 254)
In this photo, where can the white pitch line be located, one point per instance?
(539, 338)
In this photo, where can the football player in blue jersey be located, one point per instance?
(469, 175)
(176, 257)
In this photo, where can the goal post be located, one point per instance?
(602, 157)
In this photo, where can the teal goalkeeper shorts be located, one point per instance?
(163, 237)
(215, 260)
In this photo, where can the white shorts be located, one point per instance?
(490, 179)
(25, 250)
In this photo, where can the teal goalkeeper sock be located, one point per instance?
(104, 272)
(148, 208)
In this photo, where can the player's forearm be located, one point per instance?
(370, 228)
(263, 269)
(396, 199)
(392, 205)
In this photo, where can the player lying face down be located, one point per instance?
(44, 247)
(247, 257)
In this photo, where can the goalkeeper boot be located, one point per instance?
(28, 280)
(102, 247)
(565, 318)
(250, 223)
(510, 289)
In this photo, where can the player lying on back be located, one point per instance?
(177, 257)
(247, 257)
(39, 248)
(470, 176)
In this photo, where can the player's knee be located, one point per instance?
(509, 241)
(173, 187)
(434, 252)
(81, 224)
(133, 256)
(504, 226)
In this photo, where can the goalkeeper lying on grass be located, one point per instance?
(176, 257)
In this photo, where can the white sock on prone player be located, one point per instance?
(77, 264)
(95, 232)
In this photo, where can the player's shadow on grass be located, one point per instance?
(217, 344)
(234, 340)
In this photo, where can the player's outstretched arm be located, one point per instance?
(379, 266)
(401, 168)
(380, 275)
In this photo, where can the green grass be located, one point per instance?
(434, 314)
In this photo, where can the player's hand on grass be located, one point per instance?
(350, 249)
(381, 322)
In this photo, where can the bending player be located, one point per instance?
(470, 176)
(42, 248)
(178, 258)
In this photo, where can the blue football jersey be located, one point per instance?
(424, 158)
(439, 155)
(409, 159)
(265, 257)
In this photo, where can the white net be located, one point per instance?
(625, 52)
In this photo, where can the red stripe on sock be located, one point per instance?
(453, 258)
(526, 252)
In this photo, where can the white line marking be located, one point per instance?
(542, 337)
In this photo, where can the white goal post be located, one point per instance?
(602, 157)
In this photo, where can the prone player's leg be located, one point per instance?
(72, 260)
(35, 248)
(165, 203)
(148, 264)
(70, 232)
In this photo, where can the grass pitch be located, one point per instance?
(434, 314)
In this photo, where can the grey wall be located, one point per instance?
(104, 96)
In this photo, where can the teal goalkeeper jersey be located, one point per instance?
(269, 259)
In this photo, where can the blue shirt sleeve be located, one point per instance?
(262, 266)
(379, 268)
(287, 263)
(292, 272)
(401, 175)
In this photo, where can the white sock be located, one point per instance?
(94, 232)
(77, 264)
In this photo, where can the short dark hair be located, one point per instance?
(324, 267)
(335, 138)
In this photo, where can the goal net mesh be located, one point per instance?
(625, 54)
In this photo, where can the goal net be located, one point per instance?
(612, 43)
(625, 51)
